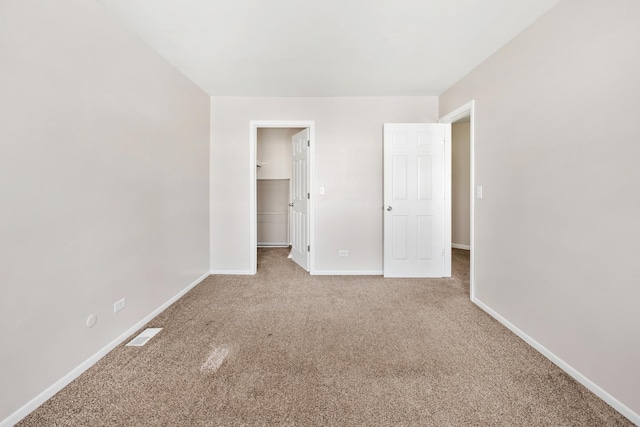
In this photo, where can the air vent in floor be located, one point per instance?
(143, 337)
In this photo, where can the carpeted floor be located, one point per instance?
(317, 350)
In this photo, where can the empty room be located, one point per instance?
(353, 213)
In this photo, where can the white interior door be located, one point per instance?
(414, 198)
(300, 196)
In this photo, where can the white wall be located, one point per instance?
(103, 183)
(348, 164)
(460, 184)
(557, 147)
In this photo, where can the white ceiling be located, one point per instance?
(326, 47)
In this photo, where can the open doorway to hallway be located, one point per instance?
(462, 122)
(461, 198)
(461, 184)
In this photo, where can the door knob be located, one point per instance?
(389, 208)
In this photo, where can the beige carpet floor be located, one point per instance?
(287, 348)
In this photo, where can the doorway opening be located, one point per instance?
(463, 184)
(273, 188)
(281, 155)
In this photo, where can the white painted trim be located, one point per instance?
(459, 246)
(446, 180)
(232, 273)
(468, 109)
(458, 113)
(596, 389)
(253, 203)
(273, 245)
(347, 273)
(312, 202)
(34, 403)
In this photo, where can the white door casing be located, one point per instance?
(252, 244)
(300, 199)
(414, 200)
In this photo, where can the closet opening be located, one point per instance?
(274, 160)
(281, 154)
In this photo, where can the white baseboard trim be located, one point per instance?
(346, 273)
(272, 245)
(459, 246)
(596, 389)
(231, 272)
(34, 403)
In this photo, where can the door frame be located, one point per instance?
(467, 109)
(254, 125)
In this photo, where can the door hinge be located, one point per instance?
(442, 252)
(309, 196)
(308, 143)
(309, 248)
